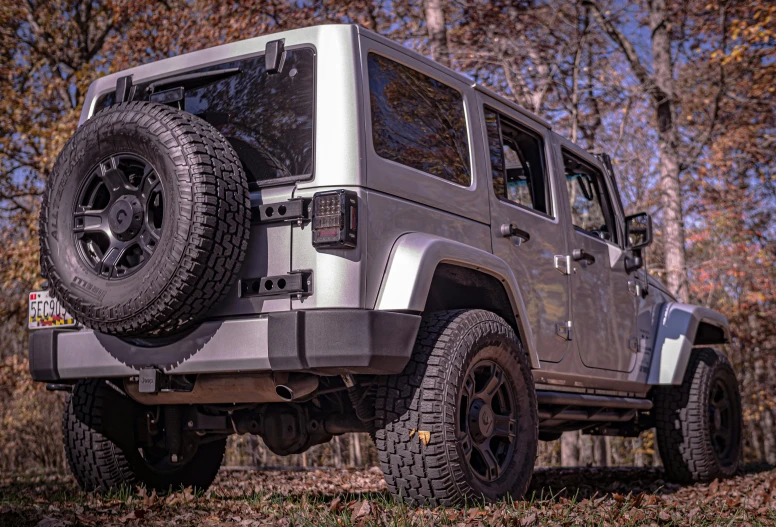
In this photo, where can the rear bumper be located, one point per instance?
(327, 342)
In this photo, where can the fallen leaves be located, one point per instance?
(423, 435)
(565, 497)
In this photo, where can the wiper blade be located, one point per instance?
(190, 81)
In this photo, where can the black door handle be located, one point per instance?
(510, 230)
(580, 255)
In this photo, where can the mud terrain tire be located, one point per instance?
(426, 413)
(182, 182)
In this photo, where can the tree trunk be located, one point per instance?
(659, 86)
(600, 451)
(670, 186)
(437, 32)
(357, 460)
(569, 449)
(337, 450)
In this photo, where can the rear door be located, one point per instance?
(604, 306)
(525, 230)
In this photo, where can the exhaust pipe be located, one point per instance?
(227, 389)
(295, 386)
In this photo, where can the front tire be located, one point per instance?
(699, 427)
(99, 464)
(460, 422)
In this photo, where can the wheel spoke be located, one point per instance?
(722, 405)
(492, 385)
(148, 240)
(466, 447)
(96, 255)
(107, 266)
(494, 471)
(468, 387)
(149, 184)
(504, 426)
(113, 177)
(90, 221)
(721, 441)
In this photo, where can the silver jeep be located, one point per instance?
(319, 232)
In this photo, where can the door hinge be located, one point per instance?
(634, 288)
(563, 330)
(633, 344)
(563, 264)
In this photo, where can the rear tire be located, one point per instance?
(699, 427)
(460, 422)
(98, 464)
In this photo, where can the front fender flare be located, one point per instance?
(410, 270)
(676, 334)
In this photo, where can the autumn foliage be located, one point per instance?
(568, 61)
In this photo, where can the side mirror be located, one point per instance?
(638, 231)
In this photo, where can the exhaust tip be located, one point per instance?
(284, 392)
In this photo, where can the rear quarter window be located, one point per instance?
(418, 121)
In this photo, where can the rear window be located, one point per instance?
(268, 119)
(418, 121)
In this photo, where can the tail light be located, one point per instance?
(335, 219)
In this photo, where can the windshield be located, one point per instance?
(268, 118)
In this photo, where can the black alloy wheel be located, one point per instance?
(118, 216)
(487, 420)
(721, 422)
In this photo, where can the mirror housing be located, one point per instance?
(638, 231)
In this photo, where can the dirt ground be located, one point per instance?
(592, 496)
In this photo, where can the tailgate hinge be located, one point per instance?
(294, 210)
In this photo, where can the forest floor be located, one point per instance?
(590, 496)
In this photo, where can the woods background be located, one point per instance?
(681, 94)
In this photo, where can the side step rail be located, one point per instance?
(560, 407)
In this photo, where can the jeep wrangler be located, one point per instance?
(318, 232)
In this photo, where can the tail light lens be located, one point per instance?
(335, 219)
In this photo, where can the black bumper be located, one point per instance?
(327, 342)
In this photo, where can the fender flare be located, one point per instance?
(680, 327)
(410, 270)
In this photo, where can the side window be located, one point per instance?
(591, 208)
(418, 121)
(517, 163)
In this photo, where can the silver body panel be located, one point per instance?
(412, 221)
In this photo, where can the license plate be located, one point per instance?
(47, 312)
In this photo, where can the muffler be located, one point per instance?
(226, 389)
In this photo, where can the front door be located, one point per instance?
(604, 306)
(525, 230)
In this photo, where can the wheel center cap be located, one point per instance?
(486, 420)
(481, 420)
(125, 217)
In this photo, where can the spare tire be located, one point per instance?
(145, 221)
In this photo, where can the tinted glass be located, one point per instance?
(517, 163)
(268, 119)
(418, 121)
(588, 197)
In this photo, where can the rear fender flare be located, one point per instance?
(680, 327)
(410, 270)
